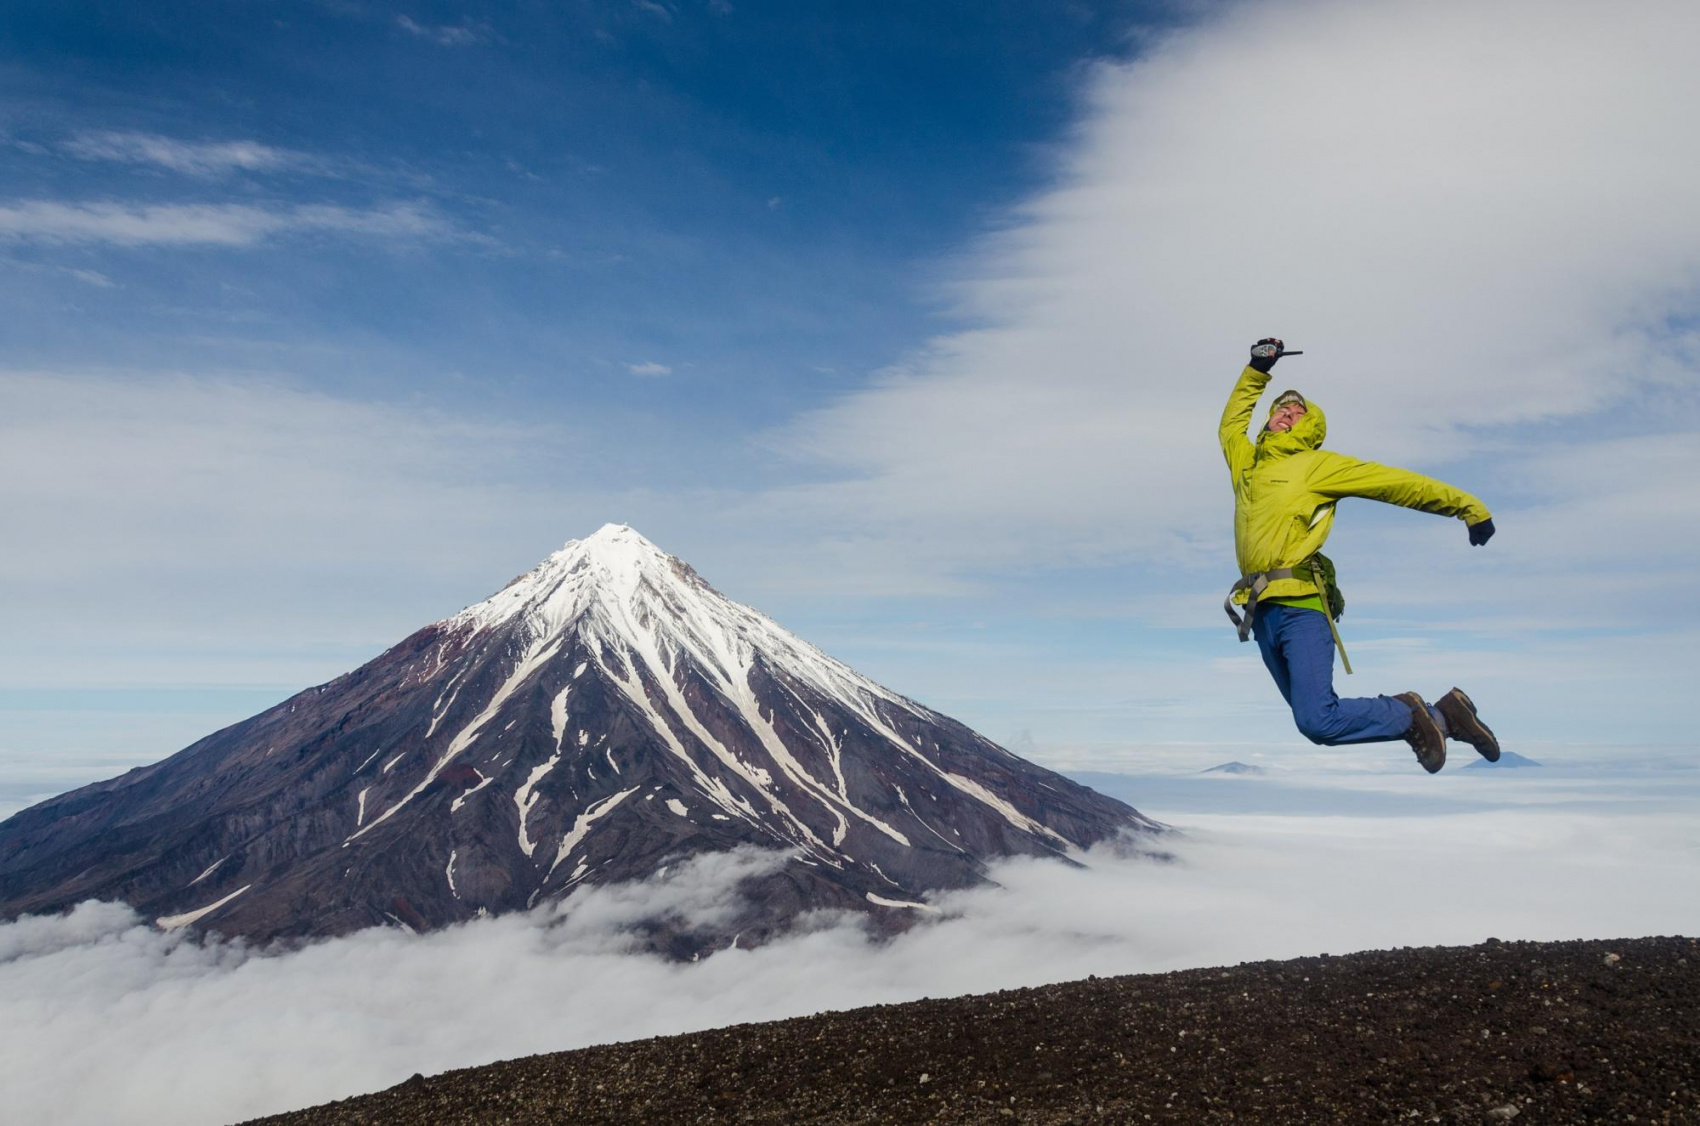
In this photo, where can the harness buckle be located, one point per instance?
(1256, 582)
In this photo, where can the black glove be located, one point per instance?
(1481, 533)
(1264, 353)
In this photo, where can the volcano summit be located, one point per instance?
(601, 717)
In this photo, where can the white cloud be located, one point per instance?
(199, 518)
(92, 277)
(112, 1009)
(649, 367)
(88, 277)
(446, 35)
(204, 158)
(240, 527)
(1477, 219)
(219, 224)
(217, 458)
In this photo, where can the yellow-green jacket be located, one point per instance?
(1286, 485)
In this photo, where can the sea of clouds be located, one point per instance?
(104, 1019)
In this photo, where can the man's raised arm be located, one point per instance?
(1236, 416)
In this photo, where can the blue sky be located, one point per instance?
(907, 324)
(749, 196)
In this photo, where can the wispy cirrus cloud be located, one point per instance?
(659, 11)
(649, 367)
(446, 35)
(91, 277)
(194, 158)
(94, 278)
(218, 224)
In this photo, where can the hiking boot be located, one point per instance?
(1463, 724)
(1424, 734)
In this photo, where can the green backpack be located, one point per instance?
(1322, 573)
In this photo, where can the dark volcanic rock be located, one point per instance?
(1556, 1033)
(603, 715)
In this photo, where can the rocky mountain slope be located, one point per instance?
(600, 717)
(1558, 1033)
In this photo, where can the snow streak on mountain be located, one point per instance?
(600, 718)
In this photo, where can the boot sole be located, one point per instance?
(1467, 726)
(1420, 716)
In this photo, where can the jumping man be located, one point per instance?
(1285, 489)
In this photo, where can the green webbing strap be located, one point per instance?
(1338, 644)
(1345, 661)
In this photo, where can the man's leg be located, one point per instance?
(1306, 645)
(1266, 627)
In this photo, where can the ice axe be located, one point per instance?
(1270, 351)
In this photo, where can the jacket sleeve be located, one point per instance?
(1335, 476)
(1236, 418)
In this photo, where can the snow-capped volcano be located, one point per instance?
(600, 717)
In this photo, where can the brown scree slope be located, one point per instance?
(1551, 1032)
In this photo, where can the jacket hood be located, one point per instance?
(1307, 433)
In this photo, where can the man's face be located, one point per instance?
(1283, 417)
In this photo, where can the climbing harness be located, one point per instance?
(1258, 581)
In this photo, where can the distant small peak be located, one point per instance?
(1508, 760)
(1235, 767)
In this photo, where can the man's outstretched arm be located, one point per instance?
(1242, 401)
(1336, 476)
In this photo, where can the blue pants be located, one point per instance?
(1298, 649)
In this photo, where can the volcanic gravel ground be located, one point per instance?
(1550, 1032)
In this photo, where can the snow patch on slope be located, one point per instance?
(525, 798)
(211, 868)
(483, 781)
(174, 922)
(583, 824)
(535, 658)
(558, 714)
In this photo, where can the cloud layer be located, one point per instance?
(1476, 219)
(129, 1025)
(171, 511)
